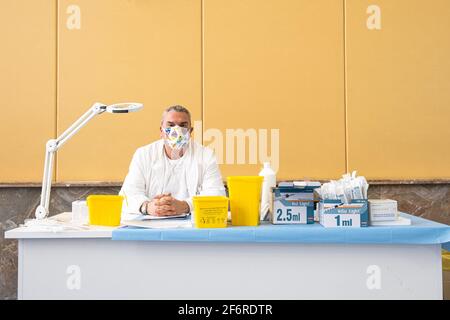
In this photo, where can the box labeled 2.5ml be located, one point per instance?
(293, 205)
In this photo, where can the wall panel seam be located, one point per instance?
(202, 57)
(56, 87)
(344, 8)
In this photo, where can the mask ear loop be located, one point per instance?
(162, 184)
(167, 132)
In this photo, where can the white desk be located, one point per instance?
(89, 265)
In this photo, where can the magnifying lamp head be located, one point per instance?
(124, 107)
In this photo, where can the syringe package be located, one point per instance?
(334, 213)
(293, 204)
(343, 203)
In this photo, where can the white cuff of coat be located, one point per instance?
(191, 205)
(132, 204)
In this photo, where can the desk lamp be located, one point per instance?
(54, 144)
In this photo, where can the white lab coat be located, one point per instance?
(146, 173)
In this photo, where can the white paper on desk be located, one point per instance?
(149, 217)
(141, 222)
(401, 221)
(138, 216)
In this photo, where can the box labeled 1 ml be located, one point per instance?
(335, 214)
(292, 204)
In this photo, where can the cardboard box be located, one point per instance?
(383, 210)
(335, 214)
(293, 204)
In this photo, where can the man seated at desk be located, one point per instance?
(164, 175)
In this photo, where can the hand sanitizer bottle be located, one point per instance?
(269, 181)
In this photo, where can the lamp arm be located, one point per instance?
(96, 108)
(50, 149)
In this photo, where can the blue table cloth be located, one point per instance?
(421, 231)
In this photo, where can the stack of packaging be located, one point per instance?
(338, 203)
(349, 188)
(383, 210)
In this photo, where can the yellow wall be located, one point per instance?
(145, 51)
(278, 65)
(343, 97)
(27, 87)
(398, 89)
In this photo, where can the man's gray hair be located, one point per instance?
(176, 108)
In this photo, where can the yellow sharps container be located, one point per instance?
(104, 210)
(245, 199)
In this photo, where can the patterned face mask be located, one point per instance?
(177, 137)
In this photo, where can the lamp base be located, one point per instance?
(50, 225)
(40, 212)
